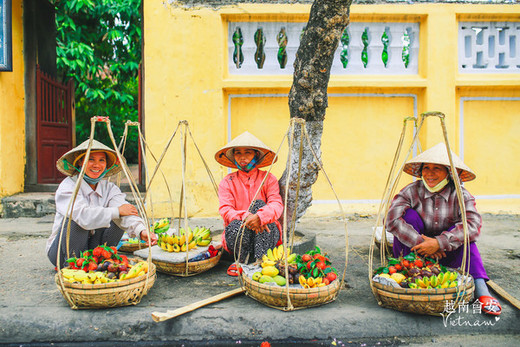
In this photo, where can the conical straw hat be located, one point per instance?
(438, 155)
(70, 159)
(224, 156)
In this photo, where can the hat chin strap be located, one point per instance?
(250, 166)
(91, 180)
(438, 187)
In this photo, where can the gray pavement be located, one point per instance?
(32, 310)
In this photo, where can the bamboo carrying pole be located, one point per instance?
(162, 316)
(505, 295)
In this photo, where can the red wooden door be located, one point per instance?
(54, 125)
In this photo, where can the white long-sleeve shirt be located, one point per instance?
(93, 209)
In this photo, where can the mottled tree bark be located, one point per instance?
(308, 96)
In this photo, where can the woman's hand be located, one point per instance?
(127, 210)
(253, 222)
(438, 255)
(145, 236)
(429, 247)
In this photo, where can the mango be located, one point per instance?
(270, 271)
(256, 276)
(265, 279)
(279, 280)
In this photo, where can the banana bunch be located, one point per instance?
(139, 269)
(174, 243)
(443, 280)
(80, 276)
(311, 282)
(276, 255)
(161, 226)
(202, 236)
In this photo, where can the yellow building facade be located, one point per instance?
(12, 112)
(190, 74)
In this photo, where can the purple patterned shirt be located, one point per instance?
(439, 211)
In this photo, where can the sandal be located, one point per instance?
(232, 270)
(490, 305)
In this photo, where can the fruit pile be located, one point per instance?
(315, 269)
(413, 271)
(134, 240)
(200, 236)
(125, 239)
(310, 270)
(102, 265)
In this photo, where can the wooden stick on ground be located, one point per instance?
(162, 316)
(505, 295)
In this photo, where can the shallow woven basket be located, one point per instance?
(132, 247)
(420, 301)
(276, 296)
(194, 268)
(105, 295)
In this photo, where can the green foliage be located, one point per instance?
(99, 47)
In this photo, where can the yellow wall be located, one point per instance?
(186, 77)
(12, 113)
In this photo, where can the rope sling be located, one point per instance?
(188, 268)
(146, 152)
(305, 297)
(126, 292)
(463, 290)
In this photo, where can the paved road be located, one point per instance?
(33, 311)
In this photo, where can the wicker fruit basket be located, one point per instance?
(421, 301)
(106, 295)
(132, 247)
(276, 296)
(194, 268)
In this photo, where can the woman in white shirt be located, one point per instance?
(101, 213)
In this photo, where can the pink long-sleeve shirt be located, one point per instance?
(238, 189)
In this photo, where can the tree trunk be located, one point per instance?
(308, 97)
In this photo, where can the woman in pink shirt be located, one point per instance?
(239, 189)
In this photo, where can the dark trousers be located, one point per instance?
(248, 242)
(81, 240)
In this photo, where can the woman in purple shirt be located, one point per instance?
(425, 217)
